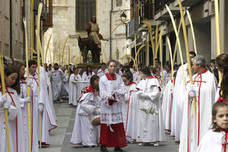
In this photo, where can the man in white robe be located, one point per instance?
(57, 82)
(74, 87)
(197, 121)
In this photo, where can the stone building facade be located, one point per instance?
(65, 25)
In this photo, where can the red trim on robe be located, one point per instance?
(110, 76)
(225, 143)
(132, 82)
(16, 117)
(116, 138)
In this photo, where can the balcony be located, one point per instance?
(160, 4)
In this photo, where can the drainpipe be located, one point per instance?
(110, 56)
(11, 25)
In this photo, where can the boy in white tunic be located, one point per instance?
(112, 93)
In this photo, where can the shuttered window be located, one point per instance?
(85, 9)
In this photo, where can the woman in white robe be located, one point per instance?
(84, 132)
(87, 74)
(74, 87)
(150, 125)
(11, 102)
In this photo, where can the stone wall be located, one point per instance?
(64, 25)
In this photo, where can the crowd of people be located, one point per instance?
(119, 104)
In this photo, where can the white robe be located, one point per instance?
(74, 89)
(100, 72)
(86, 77)
(205, 86)
(150, 124)
(48, 117)
(126, 104)
(57, 83)
(132, 112)
(177, 111)
(111, 114)
(167, 101)
(84, 132)
(15, 122)
(212, 142)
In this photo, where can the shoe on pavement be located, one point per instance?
(118, 149)
(103, 149)
(156, 144)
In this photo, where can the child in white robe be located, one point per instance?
(216, 139)
(150, 124)
(74, 87)
(84, 132)
(12, 103)
(129, 107)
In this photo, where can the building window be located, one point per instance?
(118, 3)
(85, 9)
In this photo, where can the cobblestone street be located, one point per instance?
(60, 137)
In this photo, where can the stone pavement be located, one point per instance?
(60, 137)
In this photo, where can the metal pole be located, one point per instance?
(110, 56)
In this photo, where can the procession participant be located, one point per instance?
(74, 87)
(36, 107)
(87, 74)
(196, 120)
(215, 140)
(23, 102)
(150, 127)
(102, 71)
(178, 102)
(85, 132)
(130, 107)
(112, 93)
(57, 82)
(221, 63)
(48, 120)
(11, 102)
(128, 82)
(167, 104)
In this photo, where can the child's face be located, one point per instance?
(221, 118)
(11, 79)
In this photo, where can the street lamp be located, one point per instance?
(123, 17)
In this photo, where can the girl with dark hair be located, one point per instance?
(221, 63)
(11, 101)
(74, 87)
(215, 140)
(149, 112)
(87, 119)
(130, 106)
(87, 74)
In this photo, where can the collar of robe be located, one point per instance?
(90, 89)
(110, 76)
(150, 77)
(132, 82)
(204, 71)
(221, 100)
